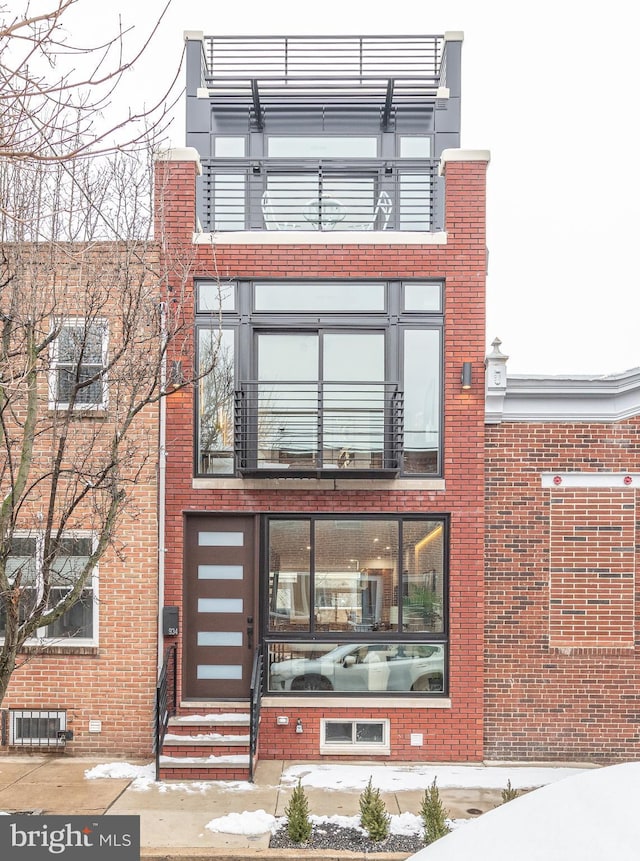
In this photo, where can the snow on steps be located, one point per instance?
(206, 743)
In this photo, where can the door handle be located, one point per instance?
(249, 636)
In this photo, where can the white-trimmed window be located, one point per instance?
(36, 727)
(344, 736)
(78, 360)
(78, 626)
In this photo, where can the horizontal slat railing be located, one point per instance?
(311, 194)
(312, 427)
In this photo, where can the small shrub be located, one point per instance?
(433, 815)
(297, 813)
(373, 814)
(509, 793)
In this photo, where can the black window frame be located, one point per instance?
(393, 319)
(381, 636)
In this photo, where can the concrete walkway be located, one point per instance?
(173, 816)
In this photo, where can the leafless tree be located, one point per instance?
(58, 98)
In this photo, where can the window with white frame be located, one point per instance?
(26, 563)
(78, 361)
(36, 727)
(354, 736)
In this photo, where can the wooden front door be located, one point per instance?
(219, 630)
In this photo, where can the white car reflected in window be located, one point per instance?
(408, 667)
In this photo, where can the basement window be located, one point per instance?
(354, 736)
(36, 728)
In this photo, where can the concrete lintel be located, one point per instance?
(187, 153)
(462, 155)
(318, 237)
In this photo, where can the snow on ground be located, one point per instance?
(248, 823)
(396, 778)
(121, 771)
(589, 817)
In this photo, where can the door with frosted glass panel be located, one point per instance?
(219, 623)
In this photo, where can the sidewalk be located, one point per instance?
(173, 816)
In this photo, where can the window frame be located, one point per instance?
(311, 635)
(55, 365)
(354, 748)
(41, 638)
(393, 319)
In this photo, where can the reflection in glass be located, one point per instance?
(215, 402)
(415, 201)
(355, 574)
(421, 400)
(216, 296)
(229, 201)
(356, 667)
(301, 146)
(314, 296)
(422, 296)
(310, 201)
(423, 576)
(415, 146)
(289, 574)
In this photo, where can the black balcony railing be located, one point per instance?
(318, 428)
(326, 195)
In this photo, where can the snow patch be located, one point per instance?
(250, 823)
(122, 771)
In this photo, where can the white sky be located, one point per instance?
(549, 89)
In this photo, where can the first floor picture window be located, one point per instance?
(357, 605)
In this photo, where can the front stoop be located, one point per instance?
(207, 741)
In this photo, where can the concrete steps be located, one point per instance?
(207, 741)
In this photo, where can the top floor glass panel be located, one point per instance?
(305, 146)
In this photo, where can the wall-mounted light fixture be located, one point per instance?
(465, 376)
(299, 726)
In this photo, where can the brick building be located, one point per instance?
(84, 682)
(562, 472)
(324, 509)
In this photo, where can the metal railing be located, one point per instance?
(166, 699)
(318, 427)
(359, 67)
(255, 699)
(321, 194)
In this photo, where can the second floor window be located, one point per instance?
(321, 376)
(78, 359)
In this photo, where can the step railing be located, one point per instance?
(166, 699)
(255, 699)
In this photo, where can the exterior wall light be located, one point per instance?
(299, 726)
(465, 376)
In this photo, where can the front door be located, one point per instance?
(219, 607)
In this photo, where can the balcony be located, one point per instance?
(323, 429)
(327, 195)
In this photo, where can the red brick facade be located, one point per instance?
(453, 732)
(561, 592)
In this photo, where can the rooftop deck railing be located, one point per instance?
(327, 194)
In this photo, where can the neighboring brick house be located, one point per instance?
(325, 482)
(562, 601)
(86, 682)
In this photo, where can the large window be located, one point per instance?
(309, 377)
(25, 564)
(356, 604)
